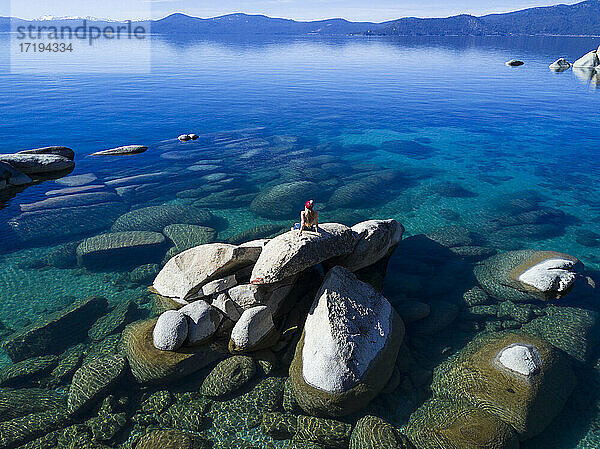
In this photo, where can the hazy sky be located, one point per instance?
(371, 10)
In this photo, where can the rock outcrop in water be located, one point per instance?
(588, 61)
(347, 350)
(122, 151)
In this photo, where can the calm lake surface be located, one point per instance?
(462, 140)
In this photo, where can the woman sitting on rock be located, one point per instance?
(309, 218)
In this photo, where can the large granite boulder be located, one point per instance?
(453, 423)
(253, 331)
(120, 249)
(521, 379)
(203, 321)
(284, 200)
(153, 366)
(170, 331)
(35, 164)
(348, 347)
(374, 240)
(56, 332)
(184, 275)
(156, 218)
(121, 151)
(95, 379)
(289, 254)
(56, 150)
(588, 61)
(528, 274)
(372, 432)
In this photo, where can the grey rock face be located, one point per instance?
(185, 274)
(560, 65)
(122, 151)
(56, 150)
(170, 331)
(251, 330)
(12, 176)
(288, 254)
(37, 163)
(589, 60)
(374, 240)
(203, 321)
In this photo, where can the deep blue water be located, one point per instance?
(464, 133)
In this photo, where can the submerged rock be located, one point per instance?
(77, 180)
(34, 164)
(519, 378)
(120, 249)
(279, 426)
(19, 431)
(453, 423)
(528, 274)
(184, 275)
(75, 200)
(288, 254)
(228, 376)
(26, 370)
(152, 366)
(121, 151)
(56, 150)
(186, 236)
(574, 330)
(327, 432)
(374, 240)
(57, 224)
(15, 403)
(54, 333)
(283, 200)
(169, 439)
(372, 432)
(514, 63)
(156, 218)
(255, 233)
(327, 379)
(114, 322)
(93, 380)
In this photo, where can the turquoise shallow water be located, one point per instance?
(431, 132)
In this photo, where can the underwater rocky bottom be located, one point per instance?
(353, 337)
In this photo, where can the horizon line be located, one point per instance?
(39, 19)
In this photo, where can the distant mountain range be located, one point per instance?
(579, 19)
